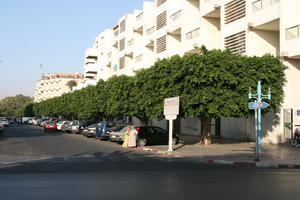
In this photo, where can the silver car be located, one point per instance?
(5, 122)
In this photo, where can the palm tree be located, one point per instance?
(71, 84)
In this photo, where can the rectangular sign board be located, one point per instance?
(171, 106)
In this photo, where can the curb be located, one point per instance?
(166, 153)
(230, 162)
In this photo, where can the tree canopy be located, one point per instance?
(14, 106)
(210, 85)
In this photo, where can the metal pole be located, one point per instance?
(170, 134)
(259, 117)
(256, 138)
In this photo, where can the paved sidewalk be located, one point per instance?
(233, 152)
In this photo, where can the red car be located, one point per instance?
(49, 125)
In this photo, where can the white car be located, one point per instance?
(1, 128)
(5, 122)
(60, 124)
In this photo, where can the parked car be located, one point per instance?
(102, 130)
(66, 126)
(146, 135)
(60, 123)
(115, 129)
(50, 125)
(5, 122)
(90, 131)
(78, 126)
(1, 128)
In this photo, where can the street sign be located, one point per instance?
(171, 110)
(171, 106)
(258, 105)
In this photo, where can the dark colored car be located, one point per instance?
(154, 135)
(146, 135)
(49, 125)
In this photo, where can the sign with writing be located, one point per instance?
(171, 106)
(257, 105)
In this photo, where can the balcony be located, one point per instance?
(292, 43)
(91, 68)
(211, 8)
(149, 43)
(139, 23)
(265, 15)
(91, 53)
(90, 75)
(175, 23)
(192, 42)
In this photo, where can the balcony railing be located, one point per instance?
(261, 4)
(293, 32)
(193, 34)
(176, 15)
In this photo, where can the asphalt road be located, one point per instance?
(35, 165)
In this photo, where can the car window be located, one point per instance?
(146, 130)
(159, 130)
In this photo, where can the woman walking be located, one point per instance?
(132, 137)
(126, 139)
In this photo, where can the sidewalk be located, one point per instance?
(232, 152)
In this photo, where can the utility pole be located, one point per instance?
(257, 106)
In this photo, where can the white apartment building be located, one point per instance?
(54, 85)
(168, 27)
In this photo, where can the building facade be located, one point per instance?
(53, 85)
(169, 27)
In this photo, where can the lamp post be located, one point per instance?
(257, 106)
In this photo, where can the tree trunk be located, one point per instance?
(205, 130)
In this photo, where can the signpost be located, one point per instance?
(171, 110)
(257, 106)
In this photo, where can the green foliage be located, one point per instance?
(14, 106)
(211, 84)
(71, 84)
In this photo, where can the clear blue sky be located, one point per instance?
(54, 33)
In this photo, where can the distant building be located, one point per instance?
(53, 85)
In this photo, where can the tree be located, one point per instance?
(11, 106)
(217, 83)
(71, 84)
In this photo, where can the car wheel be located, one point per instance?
(174, 141)
(141, 142)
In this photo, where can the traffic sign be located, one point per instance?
(258, 105)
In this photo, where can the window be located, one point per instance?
(161, 44)
(150, 31)
(193, 34)
(122, 44)
(161, 20)
(122, 62)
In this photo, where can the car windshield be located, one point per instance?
(50, 122)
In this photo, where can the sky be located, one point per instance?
(53, 34)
